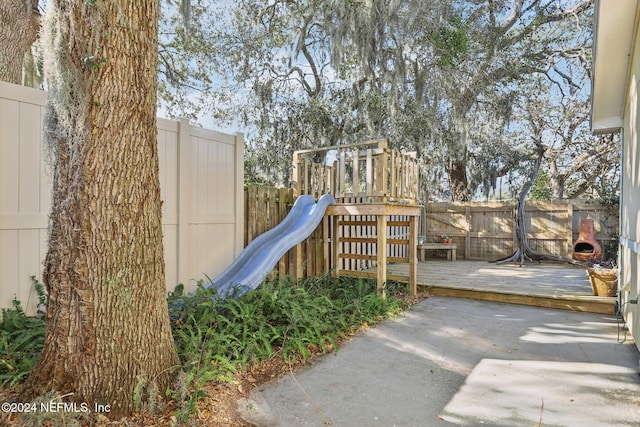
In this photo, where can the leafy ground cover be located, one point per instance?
(226, 348)
(21, 340)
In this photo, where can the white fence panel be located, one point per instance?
(201, 179)
(25, 193)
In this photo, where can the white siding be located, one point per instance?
(630, 200)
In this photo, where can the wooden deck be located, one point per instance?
(548, 285)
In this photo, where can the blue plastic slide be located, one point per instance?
(261, 255)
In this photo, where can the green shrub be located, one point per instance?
(216, 338)
(21, 339)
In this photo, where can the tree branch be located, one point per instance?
(575, 11)
(514, 15)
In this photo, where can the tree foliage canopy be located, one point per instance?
(447, 79)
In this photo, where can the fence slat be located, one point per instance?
(202, 209)
(486, 229)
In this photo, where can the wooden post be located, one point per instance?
(413, 255)
(326, 250)
(356, 173)
(334, 180)
(285, 198)
(295, 174)
(297, 261)
(384, 185)
(306, 187)
(336, 245)
(252, 197)
(569, 228)
(392, 191)
(369, 174)
(341, 176)
(318, 190)
(381, 250)
(297, 249)
(467, 238)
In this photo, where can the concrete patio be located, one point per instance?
(463, 362)
(500, 354)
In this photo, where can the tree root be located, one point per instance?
(520, 256)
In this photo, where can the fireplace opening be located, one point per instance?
(586, 246)
(583, 248)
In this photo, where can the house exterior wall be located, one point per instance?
(629, 254)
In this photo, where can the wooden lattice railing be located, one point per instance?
(367, 172)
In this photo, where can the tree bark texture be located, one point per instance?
(458, 182)
(19, 26)
(108, 328)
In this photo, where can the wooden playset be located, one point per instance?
(376, 190)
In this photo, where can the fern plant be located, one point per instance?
(216, 337)
(21, 339)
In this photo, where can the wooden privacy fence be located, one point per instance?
(266, 207)
(201, 178)
(485, 231)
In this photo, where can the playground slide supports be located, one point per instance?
(261, 255)
(381, 211)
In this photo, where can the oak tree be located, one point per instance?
(19, 26)
(108, 331)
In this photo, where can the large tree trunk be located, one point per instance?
(19, 26)
(556, 180)
(458, 182)
(522, 251)
(108, 327)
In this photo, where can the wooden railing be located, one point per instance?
(367, 175)
(314, 178)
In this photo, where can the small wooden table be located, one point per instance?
(449, 247)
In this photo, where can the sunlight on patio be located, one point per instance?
(530, 271)
(518, 392)
(553, 333)
(434, 354)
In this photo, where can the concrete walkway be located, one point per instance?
(462, 362)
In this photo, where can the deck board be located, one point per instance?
(551, 285)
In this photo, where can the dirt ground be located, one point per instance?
(217, 409)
